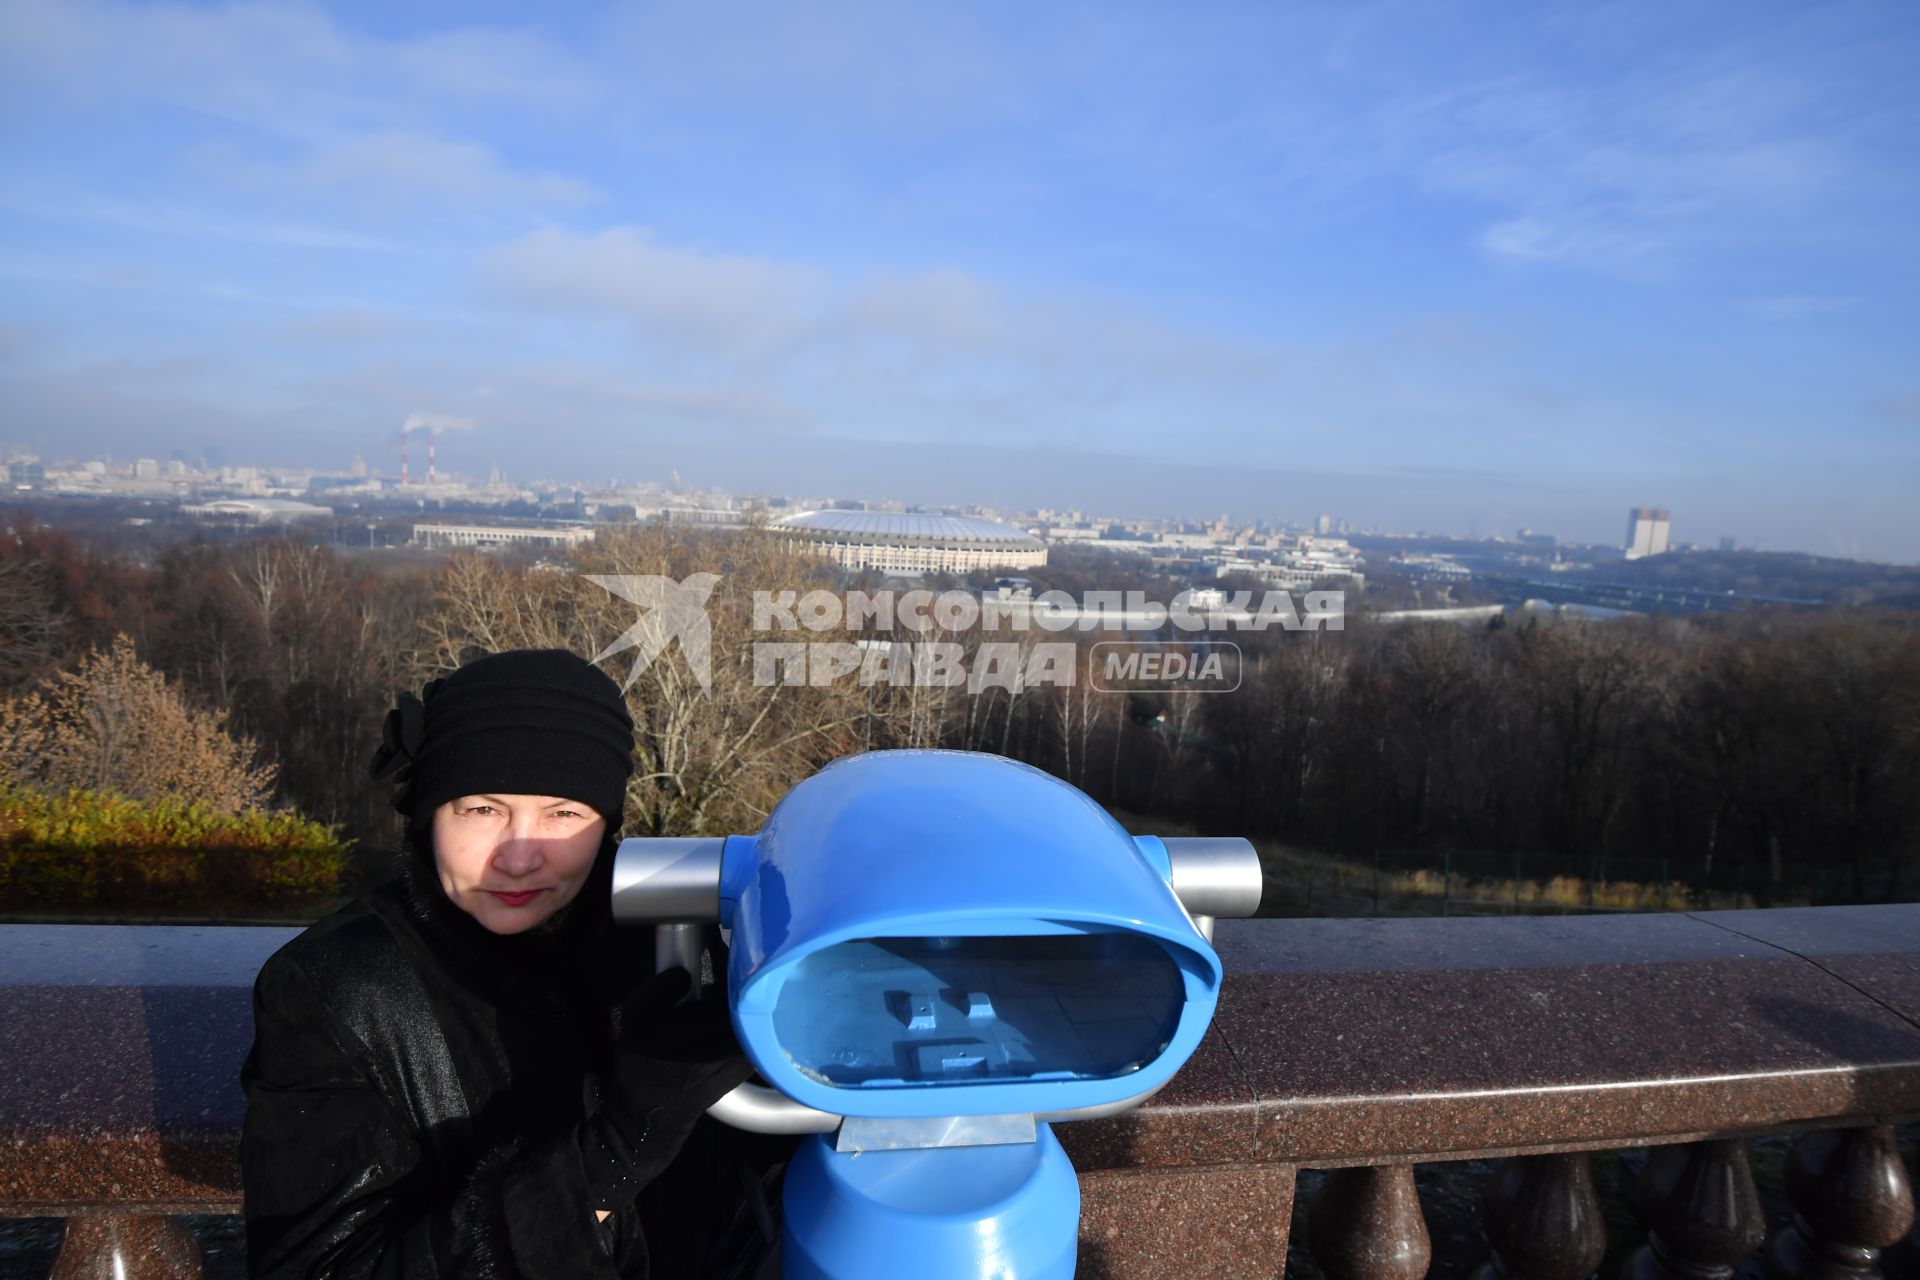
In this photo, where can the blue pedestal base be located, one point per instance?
(948, 1213)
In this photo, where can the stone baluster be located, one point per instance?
(1903, 1260)
(1366, 1224)
(1543, 1220)
(115, 1246)
(1702, 1211)
(1851, 1199)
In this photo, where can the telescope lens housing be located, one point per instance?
(901, 1012)
(948, 933)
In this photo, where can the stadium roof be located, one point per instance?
(894, 525)
(263, 506)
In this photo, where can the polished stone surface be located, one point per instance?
(105, 955)
(1223, 1223)
(113, 1247)
(1871, 948)
(1366, 1224)
(1449, 1039)
(1205, 1115)
(1852, 1197)
(1337, 1042)
(1542, 1219)
(1702, 1209)
(124, 1044)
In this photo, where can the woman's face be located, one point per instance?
(512, 861)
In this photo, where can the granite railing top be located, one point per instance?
(1337, 1042)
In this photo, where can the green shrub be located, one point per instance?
(80, 848)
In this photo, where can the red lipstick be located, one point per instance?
(517, 898)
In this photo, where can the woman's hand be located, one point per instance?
(673, 1060)
(677, 1056)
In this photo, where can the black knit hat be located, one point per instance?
(542, 722)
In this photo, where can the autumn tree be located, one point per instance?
(114, 723)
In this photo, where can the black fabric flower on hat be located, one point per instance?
(402, 735)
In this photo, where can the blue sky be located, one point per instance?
(1456, 266)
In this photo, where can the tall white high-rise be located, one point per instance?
(1647, 532)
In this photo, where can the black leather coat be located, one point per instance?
(412, 1093)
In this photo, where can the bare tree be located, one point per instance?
(710, 760)
(32, 626)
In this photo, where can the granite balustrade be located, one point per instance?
(1339, 1044)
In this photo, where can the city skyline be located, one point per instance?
(183, 475)
(1429, 266)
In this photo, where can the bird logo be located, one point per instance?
(671, 611)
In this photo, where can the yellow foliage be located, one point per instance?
(1429, 885)
(81, 847)
(114, 723)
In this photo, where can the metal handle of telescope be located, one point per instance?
(674, 884)
(1215, 877)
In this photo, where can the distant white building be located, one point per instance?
(488, 535)
(896, 542)
(1648, 531)
(1296, 577)
(1192, 541)
(1202, 599)
(1295, 574)
(1431, 566)
(258, 510)
(713, 517)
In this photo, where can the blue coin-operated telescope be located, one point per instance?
(934, 956)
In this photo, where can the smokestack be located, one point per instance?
(433, 424)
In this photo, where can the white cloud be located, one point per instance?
(1570, 238)
(389, 173)
(950, 307)
(274, 64)
(305, 112)
(435, 422)
(1632, 171)
(940, 327)
(161, 218)
(889, 63)
(683, 296)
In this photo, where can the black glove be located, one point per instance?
(671, 1063)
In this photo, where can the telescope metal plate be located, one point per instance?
(896, 1133)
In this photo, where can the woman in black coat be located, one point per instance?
(471, 1071)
